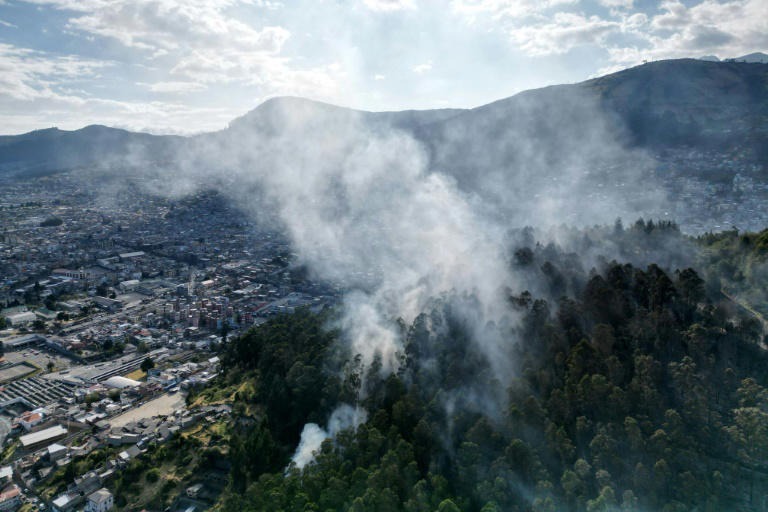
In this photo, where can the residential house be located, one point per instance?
(99, 501)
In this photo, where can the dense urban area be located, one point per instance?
(113, 307)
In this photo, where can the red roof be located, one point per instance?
(9, 493)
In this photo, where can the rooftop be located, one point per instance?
(121, 382)
(43, 435)
(100, 496)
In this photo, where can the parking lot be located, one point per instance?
(163, 406)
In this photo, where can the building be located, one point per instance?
(30, 419)
(129, 285)
(10, 498)
(44, 437)
(56, 452)
(131, 255)
(66, 502)
(118, 382)
(72, 274)
(107, 304)
(19, 319)
(99, 501)
(21, 342)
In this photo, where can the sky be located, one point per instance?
(191, 66)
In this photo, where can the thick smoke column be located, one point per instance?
(312, 437)
(361, 207)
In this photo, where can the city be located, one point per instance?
(113, 309)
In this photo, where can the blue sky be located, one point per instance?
(186, 66)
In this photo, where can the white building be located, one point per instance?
(129, 285)
(99, 501)
(19, 319)
(118, 382)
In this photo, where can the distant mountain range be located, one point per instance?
(758, 57)
(673, 103)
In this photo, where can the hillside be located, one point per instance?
(660, 104)
(51, 150)
(635, 388)
(688, 101)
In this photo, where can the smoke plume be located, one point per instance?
(312, 437)
(399, 221)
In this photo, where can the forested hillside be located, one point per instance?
(637, 387)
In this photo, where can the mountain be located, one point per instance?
(50, 150)
(268, 116)
(759, 57)
(685, 102)
(545, 139)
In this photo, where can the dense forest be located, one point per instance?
(639, 384)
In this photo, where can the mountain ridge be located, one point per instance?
(658, 104)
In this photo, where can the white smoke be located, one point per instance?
(363, 207)
(312, 436)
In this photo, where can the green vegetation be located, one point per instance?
(65, 476)
(147, 364)
(634, 388)
(156, 478)
(739, 263)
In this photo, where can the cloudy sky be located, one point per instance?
(185, 66)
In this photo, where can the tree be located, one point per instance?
(147, 364)
(50, 366)
(447, 506)
(224, 330)
(102, 290)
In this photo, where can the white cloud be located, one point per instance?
(175, 87)
(614, 4)
(201, 39)
(422, 68)
(727, 29)
(39, 89)
(160, 24)
(505, 10)
(552, 27)
(7, 24)
(543, 27)
(564, 32)
(379, 77)
(389, 5)
(27, 74)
